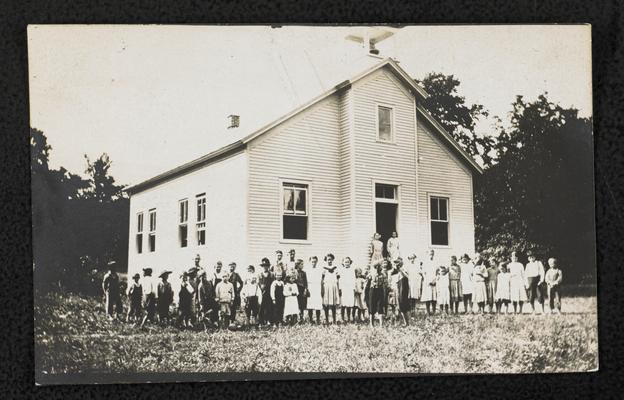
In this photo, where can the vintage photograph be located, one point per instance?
(265, 200)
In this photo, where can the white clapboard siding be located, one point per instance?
(441, 173)
(225, 185)
(305, 148)
(393, 163)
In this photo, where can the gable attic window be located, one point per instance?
(152, 230)
(183, 223)
(294, 211)
(139, 234)
(201, 219)
(439, 221)
(385, 122)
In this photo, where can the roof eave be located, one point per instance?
(190, 166)
(447, 136)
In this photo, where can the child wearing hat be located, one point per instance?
(150, 288)
(110, 286)
(265, 280)
(135, 295)
(164, 296)
(225, 298)
(185, 301)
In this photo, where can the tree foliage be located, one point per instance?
(78, 224)
(457, 117)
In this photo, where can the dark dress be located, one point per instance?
(377, 296)
(165, 298)
(264, 282)
(302, 285)
(278, 307)
(185, 302)
(206, 298)
(403, 295)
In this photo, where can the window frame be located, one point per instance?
(152, 232)
(198, 221)
(140, 226)
(183, 217)
(446, 197)
(392, 109)
(308, 190)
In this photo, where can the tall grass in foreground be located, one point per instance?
(73, 335)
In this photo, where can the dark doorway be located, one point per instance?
(386, 216)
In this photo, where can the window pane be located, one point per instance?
(300, 203)
(183, 235)
(439, 233)
(385, 123)
(289, 201)
(385, 191)
(140, 223)
(443, 208)
(139, 243)
(295, 227)
(434, 208)
(152, 243)
(378, 191)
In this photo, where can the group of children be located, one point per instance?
(285, 291)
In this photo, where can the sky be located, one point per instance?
(154, 97)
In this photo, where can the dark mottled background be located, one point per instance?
(16, 320)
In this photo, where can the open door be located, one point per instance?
(386, 215)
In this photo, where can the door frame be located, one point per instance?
(396, 201)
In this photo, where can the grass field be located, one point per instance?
(72, 335)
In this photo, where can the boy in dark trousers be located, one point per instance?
(237, 283)
(135, 296)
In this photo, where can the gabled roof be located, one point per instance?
(239, 145)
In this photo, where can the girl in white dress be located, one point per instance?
(414, 277)
(443, 288)
(347, 289)
(466, 281)
(314, 273)
(393, 247)
(503, 289)
(291, 305)
(331, 290)
(517, 283)
(429, 293)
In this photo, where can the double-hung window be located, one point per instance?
(385, 128)
(139, 234)
(152, 230)
(294, 211)
(201, 219)
(183, 222)
(439, 216)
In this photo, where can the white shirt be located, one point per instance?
(533, 269)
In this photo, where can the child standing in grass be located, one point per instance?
(265, 280)
(429, 292)
(347, 286)
(225, 298)
(277, 296)
(251, 295)
(331, 290)
(208, 313)
(466, 282)
(503, 289)
(135, 295)
(534, 274)
(554, 277)
(517, 282)
(377, 296)
(165, 297)
(492, 279)
(291, 305)
(185, 301)
(314, 302)
(479, 289)
(415, 280)
(402, 290)
(442, 286)
(455, 287)
(359, 297)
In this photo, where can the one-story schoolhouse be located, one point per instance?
(361, 158)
